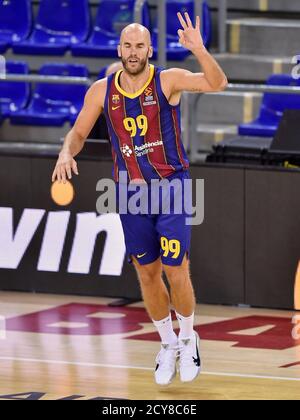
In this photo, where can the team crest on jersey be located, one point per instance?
(149, 98)
(116, 99)
(149, 92)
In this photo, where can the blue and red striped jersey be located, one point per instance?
(145, 131)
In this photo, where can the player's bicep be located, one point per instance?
(86, 120)
(89, 113)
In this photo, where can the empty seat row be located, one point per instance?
(55, 104)
(14, 96)
(47, 104)
(63, 25)
(272, 108)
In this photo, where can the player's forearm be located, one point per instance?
(73, 143)
(211, 69)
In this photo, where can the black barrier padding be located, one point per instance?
(34, 193)
(272, 237)
(84, 201)
(15, 191)
(287, 136)
(217, 252)
(242, 150)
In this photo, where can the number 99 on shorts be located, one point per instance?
(170, 247)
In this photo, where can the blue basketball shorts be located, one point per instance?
(161, 234)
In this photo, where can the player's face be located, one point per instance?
(135, 55)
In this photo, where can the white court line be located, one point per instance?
(83, 364)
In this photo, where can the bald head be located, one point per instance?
(137, 32)
(135, 48)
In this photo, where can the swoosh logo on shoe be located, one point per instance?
(197, 361)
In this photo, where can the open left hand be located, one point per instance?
(190, 37)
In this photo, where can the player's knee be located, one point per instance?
(176, 274)
(149, 273)
(150, 278)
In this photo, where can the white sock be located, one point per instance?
(186, 325)
(165, 330)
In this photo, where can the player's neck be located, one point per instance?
(132, 83)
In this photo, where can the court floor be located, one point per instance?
(69, 347)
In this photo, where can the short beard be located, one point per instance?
(138, 70)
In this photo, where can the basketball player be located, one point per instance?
(141, 105)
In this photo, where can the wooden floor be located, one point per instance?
(56, 347)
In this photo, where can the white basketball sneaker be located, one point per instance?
(166, 360)
(189, 358)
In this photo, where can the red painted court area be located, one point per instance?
(246, 353)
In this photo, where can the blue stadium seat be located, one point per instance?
(112, 17)
(272, 108)
(102, 73)
(15, 22)
(59, 24)
(175, 51)
(54, 104)
(14, 96)
(3, 47)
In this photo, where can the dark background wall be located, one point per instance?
(272, 222)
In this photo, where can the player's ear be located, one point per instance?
(119, 51)
(150, 53)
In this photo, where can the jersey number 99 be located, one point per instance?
(132, 125)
